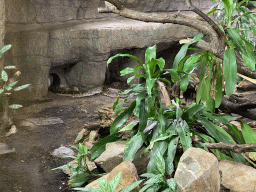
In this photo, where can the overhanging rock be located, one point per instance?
(76, 48)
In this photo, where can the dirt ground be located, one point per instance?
(27, 170)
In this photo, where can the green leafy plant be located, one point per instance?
(7, 86)
(80, 171)
(110, 187)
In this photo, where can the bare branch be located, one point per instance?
(205, 17)
(236, 148)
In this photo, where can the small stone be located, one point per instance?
(4, 149)
(41, 121)
(62, 152)
(93, 136)
(13, 130)
(81, 135)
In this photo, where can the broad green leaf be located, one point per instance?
(183, 51)
(158, 139)
(127, 71)
(149, 85)
(189, 113)
(160, 148)
(116, 103)
(15, 106)
(161, 63)
(4, 49)
(139, 98)
(4, 76)
(99, 147)
(124, 55)
(132, 148)
(129, 127)
(218, 94)
(236, 39)
(143, 115)
(172, 147)
(184, 82)
(1, 91)
(161, 121)
(79, 179)
(237, 133)
(21, 87)
(191, 63)
(253, 29)
(122, 118)
(184, 133)
(160, 164)
(115, 181)
(150, 54)
(174, 74)
(249, 61)
(230, 71)
(9, 87)
(172, 184)
(221, 136)
(91, 189)
(131, 186)
(104, 185)
(119, 108)
(148, 175)
(228, 6)
(10, 67)
(167, 81)
(130, 79)
(249, 135)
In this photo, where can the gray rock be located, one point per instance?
(4, 149)
(31, 122)
(113, 155)
(237, 177)
(197, 172)
(62, 152)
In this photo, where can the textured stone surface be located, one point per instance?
(4, 149)
(113, 155)
(237, 177)
(163, 5)
(197, 171)
(41, 121)
(129, 176)
(57, 37)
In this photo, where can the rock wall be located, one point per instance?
(45, 11)
(2, 27)
(70, 40)
(164, 5)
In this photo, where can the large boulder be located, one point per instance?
(113, 155)
(197, 171)
(237, 177)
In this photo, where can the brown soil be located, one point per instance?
(28, 168)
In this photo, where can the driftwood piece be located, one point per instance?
(236, 148)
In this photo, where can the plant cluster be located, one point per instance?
(161, 128)
(7, 85)
(80, 171)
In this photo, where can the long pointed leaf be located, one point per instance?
(230, 71)
(122, 118)
(249, 135)
(133, 146)
(183, 51)
(124, 55)
(99, 147)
